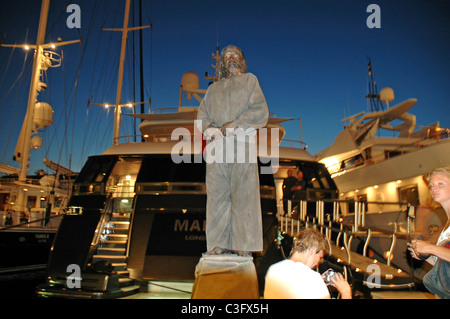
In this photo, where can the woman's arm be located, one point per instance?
(427, 248)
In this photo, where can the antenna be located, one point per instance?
(374, 98)
(217, 35)
(215, 57)
(215, 66)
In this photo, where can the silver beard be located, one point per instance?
(233, 68)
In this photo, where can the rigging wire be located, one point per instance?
(100, 127)
(13, 104)
(101, 51)
(5, 72)
(150, 22)
(64, 144)
(17, 105)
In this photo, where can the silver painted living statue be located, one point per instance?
(233, 104)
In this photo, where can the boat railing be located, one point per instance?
(152, 138)
(161, 110)
(130, 138)
(167, 137)
(28, 181)
(170, 188)
(294, 143)
(192, 188)
(34, 223)
(328, 218)
(105, 217)
(174, 109)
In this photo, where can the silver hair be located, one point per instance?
(223, 71)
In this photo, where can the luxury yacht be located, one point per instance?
(382, 159)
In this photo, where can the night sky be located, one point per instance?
(310, 57)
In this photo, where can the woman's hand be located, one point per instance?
(419, 247)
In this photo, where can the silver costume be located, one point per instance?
(233, 212)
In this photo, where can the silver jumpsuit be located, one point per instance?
(233, 212)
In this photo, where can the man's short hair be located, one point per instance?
(309, 238)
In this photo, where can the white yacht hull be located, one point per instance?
(415, 163)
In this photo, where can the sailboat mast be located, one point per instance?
(32, 96)
(118, 111)
(141, 64)
(118, 106)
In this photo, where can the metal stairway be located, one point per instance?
(105, 273)
(112, 248)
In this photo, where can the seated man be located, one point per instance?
(294, 278)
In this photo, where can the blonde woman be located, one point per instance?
(439, 183)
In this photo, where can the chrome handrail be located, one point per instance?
(290, 225)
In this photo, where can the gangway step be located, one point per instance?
(126, 282)
(109, 258)
(114, 243)
(111, 251)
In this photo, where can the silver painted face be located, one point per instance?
(232, 60)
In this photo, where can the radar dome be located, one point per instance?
(43, 115)
(190, 81)
(387, 95)
(36, 142)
